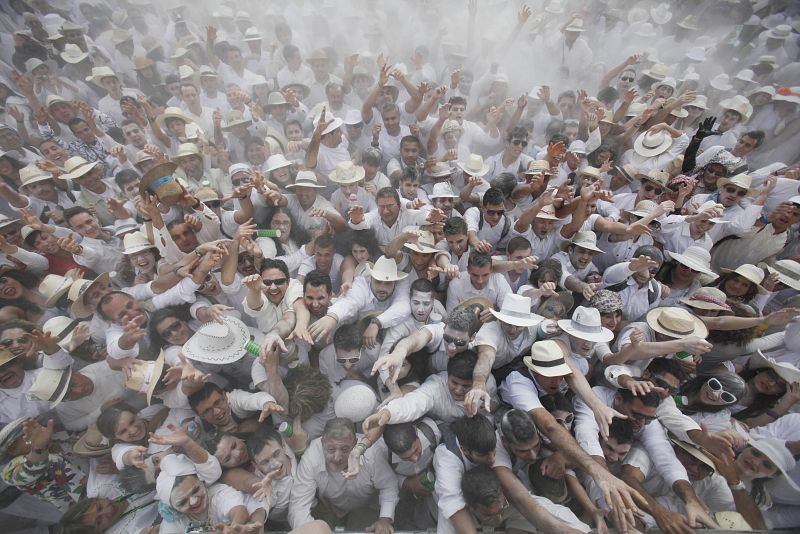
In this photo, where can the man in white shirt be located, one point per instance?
(656, 148)
(232, 411)
(489, 226)
(341, 501)
(478, 281)
(511, 335)
(390, 218)
(100, 250)
(15, 382)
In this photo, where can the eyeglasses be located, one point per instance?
(457, 342)
(172, 329)
(642, 417)
(687, 268)
(277, 282)
(732, 190)
(663, 384)
(567, 420)
(649, 188)
(493, 213)
(626, 79)
(391, 206)
(519, 142)
(354, 359)
(717, 392)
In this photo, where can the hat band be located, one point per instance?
(512, 313)
(710, 300)
(305, 182)
(681, 332)
(589, 329)
(551, 363)
(62, 383)
(786, 272)
(70, 327)
(158, 182)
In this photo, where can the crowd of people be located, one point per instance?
(305, 266)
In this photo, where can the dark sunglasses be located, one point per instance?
(277, 281)
(627, 79)
(739, 192)
(519, 142)
(499, 213)
(663, 384)
(348, 360)
(567, 420)
(682, 266)
(213, 203)
(457, 342)
(649, 188)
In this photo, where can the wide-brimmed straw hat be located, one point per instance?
(676, 323)
(145, 375)
(711, 205)
(547, 212)
(787, 371)
(385, 270)
(707, 298)
(53, 287)
(159, 173)
(547, 359)
(347, 172)
(695, 258)
(651, 143)
(721, 82)
(136, 242)
(750, 272)
(51, 385)
(98, 73)
(443, 190)
(516, 311)
(439, 170)
(739, 104)
(694, 451)
(642, 209)
(742, 181)
(425, 244)
(31, 174)
(77, 292)
(92, 443)
(587, 240)
(474, 165)
(61, 328)
(658, 71)
(277, 161)
(235, 118)
(218, 343)
(775, 449)
(585, 324)
(73, 54)
(788, 272)
(306, 179)
(538, 166)
(76, 167)
(335, 124)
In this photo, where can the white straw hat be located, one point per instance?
(652, 143)
(136, 242)
(347, 172)
(218, 343)
(62, 328)
(585, 324)
(587, 240)
(676, 323)
(53, 287)
(750, 272)
(443, 190)
(474, 165)
(788, 272)
(385, 270)
(516, 310)
(50, 385)
(425, 244)
(306, 179)
(695, 258)
(547, 359)
(145, 375)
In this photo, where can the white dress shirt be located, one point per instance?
(385, 233)
(360, 300)
(268, 314)
(461, 288)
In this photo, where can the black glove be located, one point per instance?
(705, 129)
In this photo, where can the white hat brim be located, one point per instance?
(513, 320)
(651, 319)
(680, 258)
(193, 350)
(597, 337)
(550, 372)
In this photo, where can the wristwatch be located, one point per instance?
(376, 321)
(737, 487)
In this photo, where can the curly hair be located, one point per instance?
(309, 392)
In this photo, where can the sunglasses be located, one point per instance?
(213, 203)
(737, 191)
(567, 420)
(493, 213)
(687, 268)
(717, 392)
(519, 142)
(457, 342)
(649, 188)
(277, 282)
(642, 417)
(663, 384)
(627, 79)
(354, 359)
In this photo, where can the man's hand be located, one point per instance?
(70, 245)
(44, 341)
(268, 409)
(483, 246)
(254, 283)
(369, 339)
(376, 420)
(588, 290)
(716, 443)
(382, 526)
(263, 488)
(132, 332)
(697, 515)
(135, 456)
(117, 208)
(36, 435)
(604, 415)
(176, 438)
(695, 345)
(619, 497)
(642, 263)
(476, 399)
(554, 466)
(322, 328)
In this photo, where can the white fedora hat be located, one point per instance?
(76, 167)
(658, 71)
(385, 270)
(516, 310)
(277, 161)
(356, 402)
(643, 208)
(31, 174)
(474, 165)
(77, 292)
(347, 172)
(50, 385)
(218, 343)
(443, 190)
(721, 82)
(575, 26)
(587, 240)
(60, 327)
(547, 212)
(145, 376)
(136, 242)
(172, 113)
(53, 287)
(235, 118)
(710, 205)
(353, 117)
(73, 54)
(739, 104)
(276, 98)
(775, 449)
(547, 359)
(661, 13)
(646, 30)
(675, 322)
(741, 180)
(788, 272)
(334, 125)
(694, 451)
(426, 243)
(306, 179)
(694, 257)
(750, 272)
(700, 101)
(585, 324)
(98, 73)
(651, 143)
(537, 166)
(92, 443)
(787, 371)
(439, 170)
(696, 53)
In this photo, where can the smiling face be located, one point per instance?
(144, 261)
(337, 450)
(122, 308)
(231, 452)
(10, 288)
(752, 463)
(190, 497)
(737, 286)
(272, 457)
(174, 331)
(215, 410)
(11, 374)
(278, 284)
(580, 257)
(130, 428)
(85, 225)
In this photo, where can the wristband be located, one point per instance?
(739, 486)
